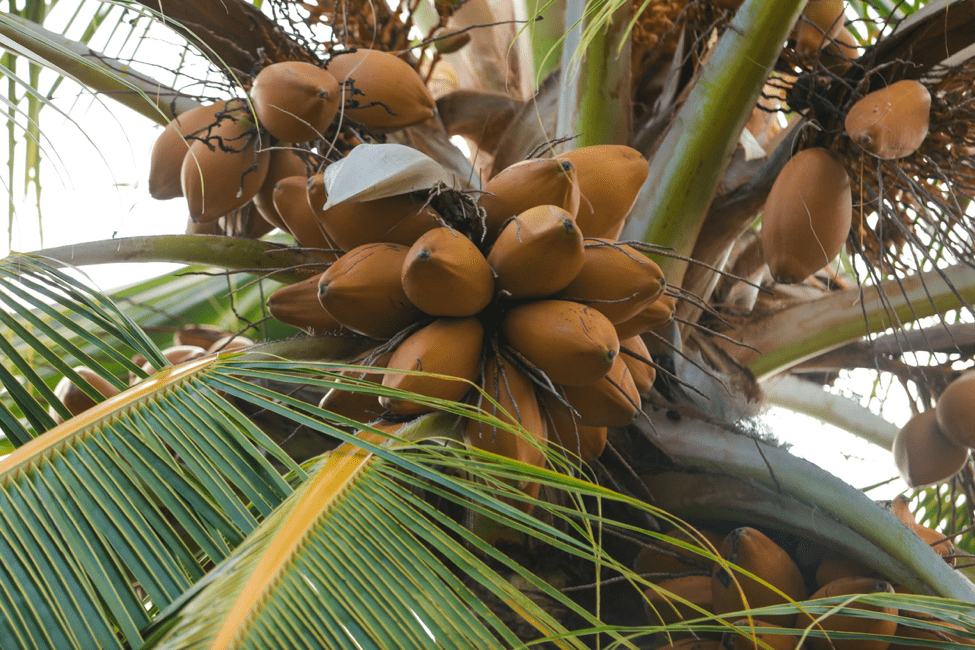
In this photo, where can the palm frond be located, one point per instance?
(49, 315)
(116, 512)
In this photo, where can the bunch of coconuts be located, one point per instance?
(933, 445)
(808, 212)
(533, 298)
(706, 585)
(189, 343)
(222, 156)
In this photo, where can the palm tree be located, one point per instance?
(212, 504)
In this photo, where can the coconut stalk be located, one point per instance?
(810, 399)
(688, 165)
(281, 263)
(809, 329)
(707, 447)
(546, 36)
(595, 102)
(99, 73)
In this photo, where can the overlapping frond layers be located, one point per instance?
(50, 323)
(117, 512)
(347, 561)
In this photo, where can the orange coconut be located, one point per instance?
(295, 101)
(807, 215)
(381, 91)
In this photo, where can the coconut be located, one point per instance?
(571, 343)
(665, 608)
(862, 625)
(363, 291)
(381, 91)
(176, 355)
(640, 369)
(753, 551)
(170, 148)
(956, 411)
(76, 400)
(284, 163)
(655, 315)
(199, 335)
(295, 101)
(564, 428)
(616, 280)
(447, 346)
(515, 393)
(613, 401)
(225, 170)
(821, 20)
(399, 219)
(840, 52)
(891, 122)
(544, 237)
(924, 456)
(297, 305)
(610, 178)
(230, 342)
(751, 637)
(361, 407)
(664, 557)
(807, 215)
(290, 199)
(525, 185)
(446, 275)
(834, 568)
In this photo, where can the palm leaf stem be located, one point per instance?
(594, 99)
(688, 165)
(281, 263)
(801, 332)
(92, 69)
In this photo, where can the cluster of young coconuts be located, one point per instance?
(533, 298)
(706, 585)
(809, 211)
(222, 156)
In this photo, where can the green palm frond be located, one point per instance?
(144, 489)
(48, 315)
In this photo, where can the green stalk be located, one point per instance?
(595, 101)
(282, 263)
(809, 329)
(810, 399)
(546, 36)
(89, 68)
(690, 161)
